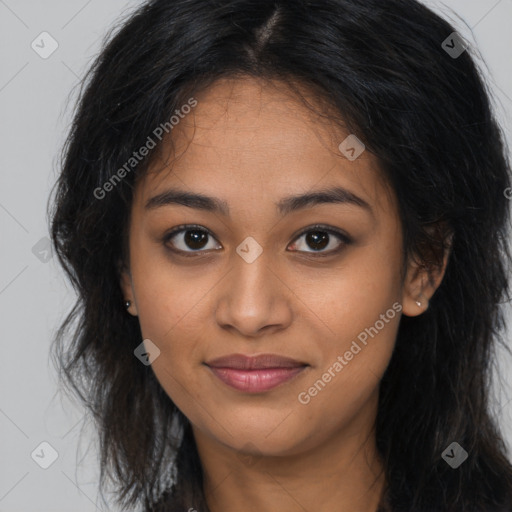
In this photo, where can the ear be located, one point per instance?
(422, 279)
(127, 287)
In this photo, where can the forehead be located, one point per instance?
(249, 141)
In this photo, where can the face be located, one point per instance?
(315, 281)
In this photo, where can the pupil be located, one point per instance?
(314, 238)
(193, 238)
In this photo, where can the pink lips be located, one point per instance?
(255, 374)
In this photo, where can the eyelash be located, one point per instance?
(345, 240)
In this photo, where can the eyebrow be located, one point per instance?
(335, 195)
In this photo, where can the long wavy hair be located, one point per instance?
(380, 67)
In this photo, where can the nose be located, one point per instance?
(253, 299)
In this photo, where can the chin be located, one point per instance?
(265, 439)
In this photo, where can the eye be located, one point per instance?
(189, 239)
(318, 238)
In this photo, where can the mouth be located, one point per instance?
(255, 374)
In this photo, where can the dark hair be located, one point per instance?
(381, 68)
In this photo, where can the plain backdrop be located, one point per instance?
(36, 103)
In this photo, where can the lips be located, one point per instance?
(255, 374)
(242, 362)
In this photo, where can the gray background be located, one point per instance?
(35, 101)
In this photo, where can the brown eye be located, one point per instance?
(318, 238)
(189, 240)
(195, 239)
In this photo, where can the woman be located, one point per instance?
(286, 222)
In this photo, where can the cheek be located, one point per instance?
(362, 311)
(341, 389)
(169, 296)
(357, 294)
(172, 317)
(174, 321)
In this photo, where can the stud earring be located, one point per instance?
(418, 302)
(127, 304)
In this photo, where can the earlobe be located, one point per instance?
(416, 292)
(421, 282)
(130, 307)
(127, 289)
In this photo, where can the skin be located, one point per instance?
(251, 144)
